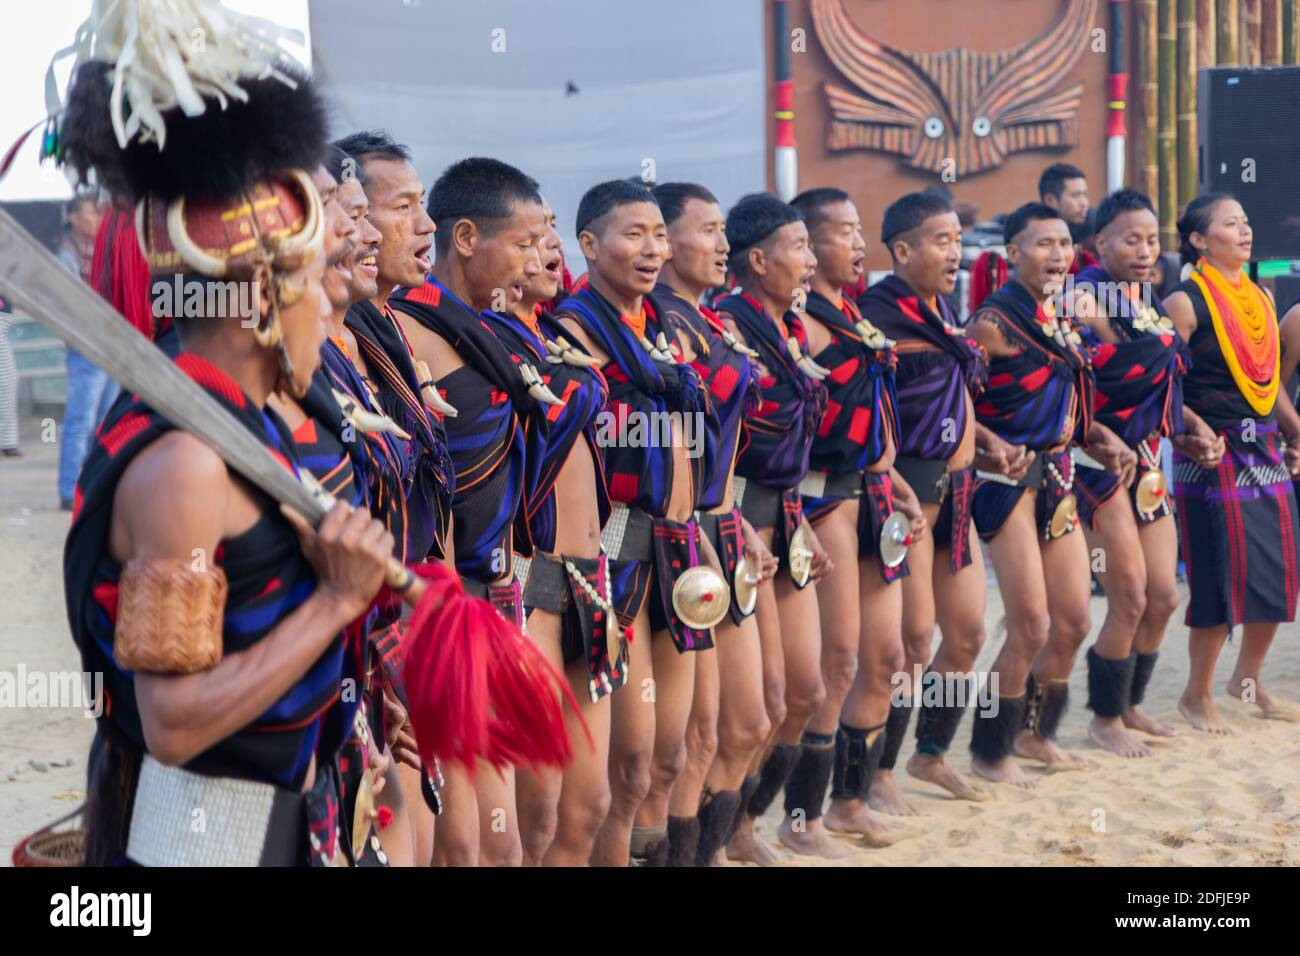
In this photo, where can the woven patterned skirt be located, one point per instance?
(1238, 529)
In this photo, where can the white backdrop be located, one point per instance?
(679, 83)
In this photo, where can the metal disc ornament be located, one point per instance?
(1065, 515)
(746, 585)
(801, 556)
(1151, 491)
(701, 597)
(895, 537)
(362, 814)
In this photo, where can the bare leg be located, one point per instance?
(396, 839)
(537, 791)
(1245, 684)
(674, 691)
(499, 843)
(631, 748)
(743, 722)
(685, 798)
(743, 727)
(802, 830)
(959, 601)
(880, 653)
(701, 738)
(560, 811)
(918, 636)
(1065, 564)
(1160, 546)
(584, 796)
(745, 845)
(420, 817)
(457, 840)
(1117, 556)
(1197, 702)
(1018, 564)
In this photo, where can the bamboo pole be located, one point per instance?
(1270, 32)
(1248, 32)
(1226, 33)
(1291, 31)
(1145, 73)
(1186, 96)
(1206, 52)
(1167, 43)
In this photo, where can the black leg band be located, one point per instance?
(994, 733)
(805, 791)
(771, 779)
(1142, 670)
(1047, 703)
(895, 733)
(747, 791)
(683, 840)
(718, 818)
(935, 728)
(649, 846)
(1110, 682)
(857, 754)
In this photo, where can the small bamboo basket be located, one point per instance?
(50, 846)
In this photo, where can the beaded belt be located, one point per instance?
(244, 822)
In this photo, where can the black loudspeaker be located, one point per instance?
(1286, 291)
(1248, 126)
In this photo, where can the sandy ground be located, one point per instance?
(1198, 801)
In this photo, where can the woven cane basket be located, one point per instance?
(49, 846)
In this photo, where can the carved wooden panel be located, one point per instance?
(956, 112)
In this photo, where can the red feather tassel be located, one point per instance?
(120, 272)
(478, 688)
(988, 274)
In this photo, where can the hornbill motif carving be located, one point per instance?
(956, 110)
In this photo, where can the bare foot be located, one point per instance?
(1203, 715)
(1033, 747)
(1109, 734)
(1248, 691)
(1005, 771)
(884, 796)
(937, 771)
(1135, 718)
(747, 847)
(810, 838)
(855, 817)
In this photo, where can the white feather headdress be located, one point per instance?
(168, 53)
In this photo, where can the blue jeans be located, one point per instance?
(90, 393)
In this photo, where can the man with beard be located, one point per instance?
(940, 373)
(490, 222)
(772, 259)
(1140, 361)
(1065, 189)
(651, 538)
(848, 495)
(729, 721)
(1040, 395)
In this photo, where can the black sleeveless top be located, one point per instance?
(1209, 388)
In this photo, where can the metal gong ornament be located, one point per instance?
(895, 537)
(701, 598)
